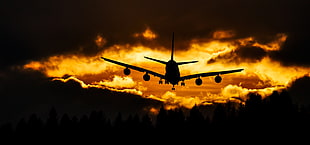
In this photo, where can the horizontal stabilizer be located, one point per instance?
(160, 61)
(186, 62)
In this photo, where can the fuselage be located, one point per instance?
(172, 72)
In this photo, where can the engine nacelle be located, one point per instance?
(198, 81)
(218, 79)
(146, 77)
(126, 71)
(182, 84)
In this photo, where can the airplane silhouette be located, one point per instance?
(172, 74)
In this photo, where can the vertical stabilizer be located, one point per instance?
(172, 46)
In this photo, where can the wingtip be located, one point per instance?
(102, 58)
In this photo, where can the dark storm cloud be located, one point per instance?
(36, 29)
(295, 50)
(241, 54)
(25, 92)
(251, 52)
(299, 90)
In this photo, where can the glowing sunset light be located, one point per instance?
(100, 41)
(60, 65)
(262, 76)
(147, 34)
(274, 45)
(223, 34)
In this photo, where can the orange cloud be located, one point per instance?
(232, 91)
(172, 100)
(118, 82)
(122, 83)
(60, 65)
(125, 84)
(100, 41)
(147, 34)
(274, 45)
(223, 34)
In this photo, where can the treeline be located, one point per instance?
(275, 114)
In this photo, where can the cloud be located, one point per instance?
(119, 82)
(294, 50)
(122, 84)
(299, 90)
(250, 54)
(250, 50)
(72, 64)
(24, 92)
(147, 34)
(40, 29)
(234, 91)
(171, 100)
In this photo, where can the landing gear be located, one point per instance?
(166, 82)
(160, 82)
(173, 88)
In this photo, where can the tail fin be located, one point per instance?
(172, 46)
(172, 53)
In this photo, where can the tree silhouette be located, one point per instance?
(146, 123)
(34, 127)
(162, 119)
(21, 129)
(52, 121)
(66, 127)
(275, 114)
(195, 119)
(6, 132)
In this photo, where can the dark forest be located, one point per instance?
(273, 116)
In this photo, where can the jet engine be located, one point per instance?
(126, 71)
(218, 79)
(198, 81)
(146, 77)
(182, 83)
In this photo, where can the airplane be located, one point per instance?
(172, 74)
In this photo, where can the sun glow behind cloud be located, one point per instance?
(147, 34)
(222, 52)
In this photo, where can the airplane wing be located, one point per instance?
(209, 74)
(135, 68)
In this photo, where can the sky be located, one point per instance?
(51, 53)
